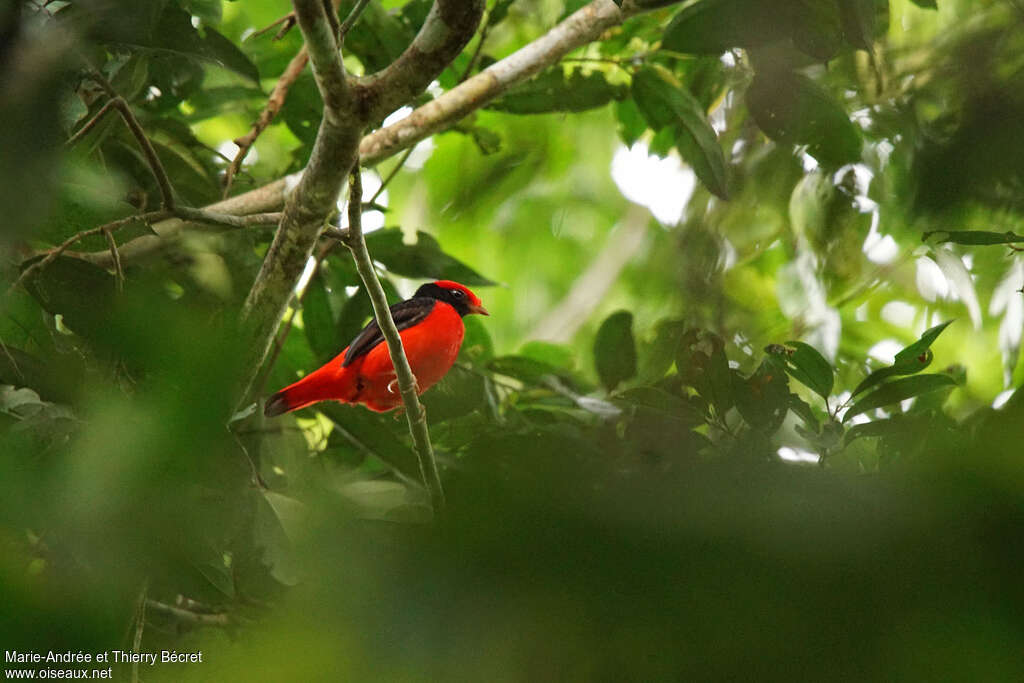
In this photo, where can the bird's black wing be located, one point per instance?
(405, 313)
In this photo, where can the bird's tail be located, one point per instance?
(325, 384)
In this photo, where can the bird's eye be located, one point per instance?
(457, 293)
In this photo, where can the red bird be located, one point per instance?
(430, 324)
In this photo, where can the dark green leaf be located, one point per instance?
(863, 21)
(209, 11)
(615, 350)
(763, 398)
(55, 380)
(226, 54)
(130, 76)
(910, 360)
(899, 390)
(531, 371)
(971, 237)
(303, 109)
(378, 38)
(498, 12)
(802, 410)
(553, 91)
(459, 393)
(817, 28)
(793, 109)
(175, 35)
(79, 291)
(714, 26)
(657, 355)
(631, 122)
(477, 347)
(926, 4)
(661, 402)
(807, 366)
(423, 259)
(666, 105)
(372, 434)
(876, 428)
(318, 320)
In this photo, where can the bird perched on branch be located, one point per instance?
(430, 324)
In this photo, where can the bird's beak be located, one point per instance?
(479, 309)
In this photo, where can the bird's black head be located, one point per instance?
(460, 297)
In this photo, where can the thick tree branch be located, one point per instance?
(448, 28)
(334, 153)
(414, 411)
(583, 26)
(322, 45)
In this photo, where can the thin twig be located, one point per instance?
(90, 124)
(276, 99)
(415, 414)
(288, 20)
(351, 19)
(54, 253)
(485, 28)
(331, 10)
(116, 258)
(188, 615)
(181, 212)
(391, 175)
(157, 168)
(274, 104)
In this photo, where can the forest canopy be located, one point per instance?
(747, 403)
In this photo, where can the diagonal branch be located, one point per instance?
(582, 27)
(415, 414)
(448, 28)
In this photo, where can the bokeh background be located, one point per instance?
(714, 427)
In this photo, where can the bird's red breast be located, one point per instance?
(430, 325)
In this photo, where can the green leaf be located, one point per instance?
(926, 4)
(793, 109)
(553, 91)
(714, 26)
(477, 346)
(818, 28)
(615, 350)
(556, 355)
(661, 402)
(899, 390)
(666, 105)
(424, 259)
(81, 292)
(226, 54)
(971, 237)
(656, 356)
(318, 320)
(763, 398)
(175, 35)
(631, 122)
(498, 12)
(209, 11)
(372, 434)
(807, 366)
(910, 360)
(862, 21)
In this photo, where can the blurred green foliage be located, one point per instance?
(754, 446)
